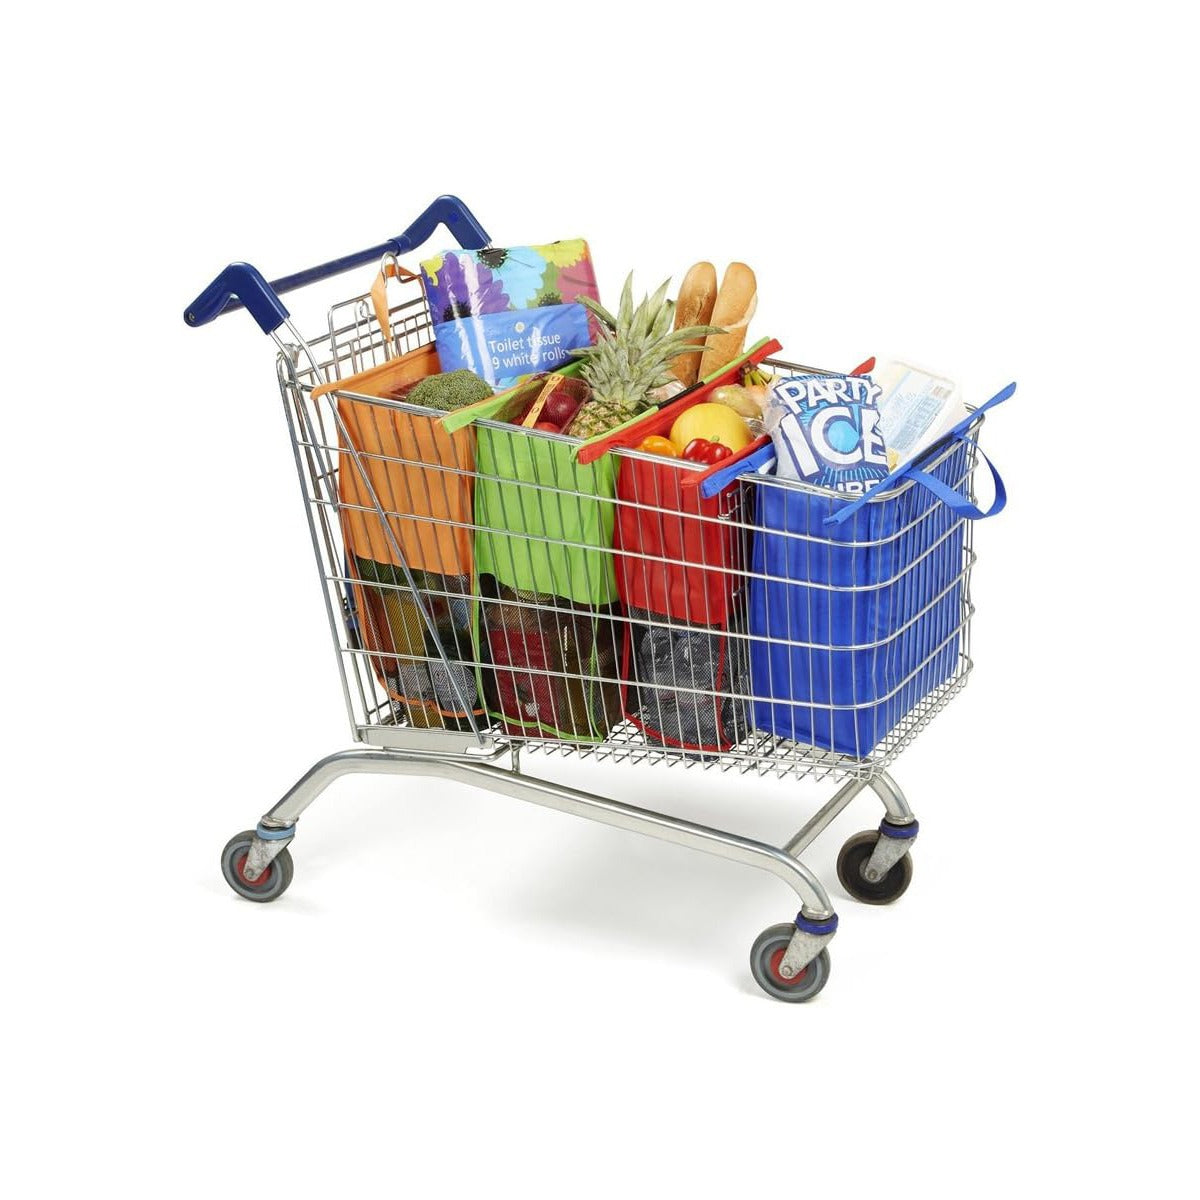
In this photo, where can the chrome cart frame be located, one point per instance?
(790, 961)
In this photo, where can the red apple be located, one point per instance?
(560, 407)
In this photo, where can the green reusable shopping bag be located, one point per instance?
(544, 523)
(548, 667)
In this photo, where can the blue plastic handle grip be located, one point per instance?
(241, 286)
(239, 282)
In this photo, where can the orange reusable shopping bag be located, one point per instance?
(420, 474)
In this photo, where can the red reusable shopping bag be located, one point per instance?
(675, 556)
(679, 574)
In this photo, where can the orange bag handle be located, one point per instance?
(389, 268)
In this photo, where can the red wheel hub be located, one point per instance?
(777, 961)
(240, 867)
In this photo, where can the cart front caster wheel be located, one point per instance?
(270, 885)
(852, 861)
(766, 956)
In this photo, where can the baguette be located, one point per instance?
(697, 296)
(736, 302)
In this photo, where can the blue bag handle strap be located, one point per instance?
(719, 480)
(1005, 393)
(958, 504)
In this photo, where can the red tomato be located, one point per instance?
(547, 427)
(701, 450)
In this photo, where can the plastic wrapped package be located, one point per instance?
(504, 313)
(554, 663)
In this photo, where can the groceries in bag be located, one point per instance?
(553, 669)
(697, 296)
(429, 674)
(733, 311)
(504, 313)
(843, 431)
(555, 401)
(685, 684)
(446, 391)
(629, 367)
(622, 376)
(729, 309)
(679, 576)
(826, 431)
(916, 409)
(709, 432)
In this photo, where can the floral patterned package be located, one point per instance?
(508, 313)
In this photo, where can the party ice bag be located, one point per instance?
(826, 431)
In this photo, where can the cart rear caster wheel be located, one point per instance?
(270, 885)
(766, 955)
(853, 859)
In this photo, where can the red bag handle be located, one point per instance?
(633, 435)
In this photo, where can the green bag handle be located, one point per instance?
(485, 410)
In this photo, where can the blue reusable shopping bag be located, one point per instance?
(856, 606)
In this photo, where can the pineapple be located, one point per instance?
(630, 359)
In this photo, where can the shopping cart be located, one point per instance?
(629, 608)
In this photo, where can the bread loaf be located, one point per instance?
(697, 296)
(736, 302)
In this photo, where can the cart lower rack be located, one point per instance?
(492, 594)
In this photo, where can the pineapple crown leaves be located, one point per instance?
(636, 347)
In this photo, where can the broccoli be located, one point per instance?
(455, 389)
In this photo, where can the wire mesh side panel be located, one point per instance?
(681, 577)
(390, 503)
(406, 496)
(356, 341)
(411, 568)
(486, 582)
(314, 444)
(549, 621)
(858, 632)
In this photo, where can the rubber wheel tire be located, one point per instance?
(270, 885)
(853, 859)
(767, 953)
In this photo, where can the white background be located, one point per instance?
(463, 993)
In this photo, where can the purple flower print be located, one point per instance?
(464, 288)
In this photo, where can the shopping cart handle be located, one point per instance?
(238, 286)
(241, 286)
